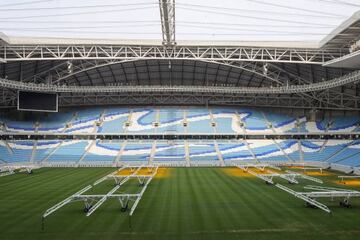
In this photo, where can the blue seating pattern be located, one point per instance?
(234, 152)
(202, 152)
(169, 152)
(136, 152)
(69, 151)
(171, 120)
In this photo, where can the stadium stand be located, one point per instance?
(179, 120)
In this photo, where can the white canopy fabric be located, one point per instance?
(200, 20)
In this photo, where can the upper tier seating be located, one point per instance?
(177, 120)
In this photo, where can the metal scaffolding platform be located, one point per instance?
(94, 201)
(290, 176)
(322, 192)
(10, 169)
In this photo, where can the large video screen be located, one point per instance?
(41, 102)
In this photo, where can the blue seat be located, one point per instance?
(69, 151)
(169, 152)
(202, 152)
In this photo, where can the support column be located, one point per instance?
(86, 152)
(301, 153)
(282, 150)
(250, 150)
(222, 163)
(33, 153)
(241, 123)
(52, 152)
(212, 121)
(268, 122)
(152, 153)
(187, 153)
(119, 155)
(167, 14)
(129, 121)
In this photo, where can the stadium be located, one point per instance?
(231, 120)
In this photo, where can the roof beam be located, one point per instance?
(352, 77)
(144, 52)
(246, 100)
(167, 14)
(179, 136)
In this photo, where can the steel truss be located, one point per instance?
(5, 171)
(179, 136)
(331, 102)
(167, 14)
(312, 169)
(268, 177)
(246, 58)
(60, 73)
(317, 180)
(260, 166)
(49, 88)
(290, 177)
(129, 52)
(322, 192)
(10, 169)
(141, 178)
(347, 177)
(320, 97)
(93, 202)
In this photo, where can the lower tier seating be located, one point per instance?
(343, 152)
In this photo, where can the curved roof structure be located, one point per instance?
(236, 44)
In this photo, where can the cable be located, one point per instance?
(79, 13)
(159, 21)
(25, 3)
(288, 7)
(244, 29)
(180, 33)
(92, 32)
(78, 7)
(339, 2)
(254, 34)
(258, 11)
(254, 25)
(263, 28)
(81, 22)
(77, 28)
(147, 25)
(252, 17)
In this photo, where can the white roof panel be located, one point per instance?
(279, 23)
(260, 20)
(91, 19)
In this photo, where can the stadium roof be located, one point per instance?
(63, 42)
(278, 23)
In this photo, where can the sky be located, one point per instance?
(209, 20)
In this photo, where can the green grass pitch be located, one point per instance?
(191, 203)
